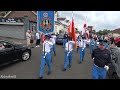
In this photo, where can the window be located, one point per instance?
(6, 44)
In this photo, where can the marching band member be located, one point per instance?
(46, 56)
(78, 41)
(92, 43)
(65, 39)
(82, 46)
(53, 39)
(68, 55)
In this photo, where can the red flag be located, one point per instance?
(71, 31)
(85, 25)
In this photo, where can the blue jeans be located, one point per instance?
(82, 53)
(67, 59)
(54, 49)
(51, 53)
(91, 48)
(77, 49)
(98, 72)
(47, 60)
(64, 42)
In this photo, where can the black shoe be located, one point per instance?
(40, 77)
(64, 69)
(80, 62)
(54, 54)
(49, 73)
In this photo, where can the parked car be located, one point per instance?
(114, 71)
(13, 51)
(59, 39)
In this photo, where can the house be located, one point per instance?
(115, 33)
(14, 24)
(61, 25)
(23, 21)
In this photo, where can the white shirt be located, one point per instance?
(77, 35)
(37, 36)
(47, 45)
(53, 39)
(70, 43)
(88, 41)
(83, 43)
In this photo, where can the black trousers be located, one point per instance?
(38, 42)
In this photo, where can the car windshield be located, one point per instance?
(60, 36)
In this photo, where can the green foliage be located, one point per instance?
(103, 32)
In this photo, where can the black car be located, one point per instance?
(59, 39)
(12, 52)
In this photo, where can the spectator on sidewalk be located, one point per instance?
(28, 37)
(32, 39)
(37, 39)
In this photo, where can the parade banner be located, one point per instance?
(45, 21)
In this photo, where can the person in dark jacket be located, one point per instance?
(65, 39)
(102, 61)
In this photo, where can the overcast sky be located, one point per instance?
(99, 19)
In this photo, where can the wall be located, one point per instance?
(12, 31)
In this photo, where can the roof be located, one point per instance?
(61, 23)
(15, 14)
(61, 18)
(90, 26)
(116, 31)
(34, 12)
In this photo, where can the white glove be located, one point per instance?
(106, 67)
(82, 49)
(68, 53)
(93, 58)
(45, 55)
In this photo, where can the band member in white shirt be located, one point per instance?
(68, 55)
(46, 56)
(82, 46)
(53, 39)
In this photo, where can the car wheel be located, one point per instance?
(114, 76)
(25, 56)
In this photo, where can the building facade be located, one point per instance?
(115, 33)
(14, 24)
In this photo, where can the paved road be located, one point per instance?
(30, 69)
